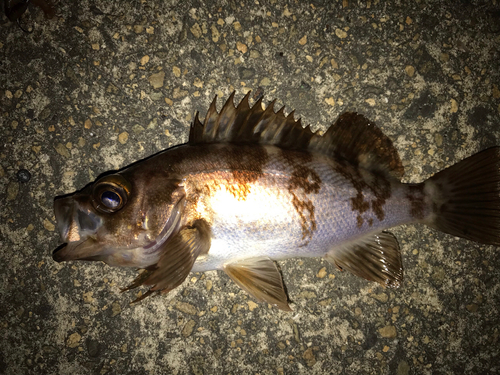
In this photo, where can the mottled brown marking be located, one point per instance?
(379, 186)
(359, 220)
(243, 179)
(195, 192)
(246, 167)
(306, 180)
(359, 204)
(298, 157)
(378, 209)
(360, 146)
(305, 209)
(416, 197)
(245, 162)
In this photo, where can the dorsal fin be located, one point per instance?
(352, 137)
(355, 138)
(246, 125)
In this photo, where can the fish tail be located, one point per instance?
(465, 198)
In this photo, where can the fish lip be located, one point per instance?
(74, 222)
(60, 255)
(78, 250)
(76, 225)
(57, 253)
(64, 213)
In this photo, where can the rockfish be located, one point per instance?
(253, 186)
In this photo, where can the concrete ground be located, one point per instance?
(106, 83)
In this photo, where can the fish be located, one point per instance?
(252, 186)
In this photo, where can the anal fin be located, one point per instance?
(375, 257)
(260, 278)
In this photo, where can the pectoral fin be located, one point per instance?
(259, 277)
(176, 260)
(375, 257)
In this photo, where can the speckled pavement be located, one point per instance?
(104, 84)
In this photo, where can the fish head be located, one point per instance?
(121, 219)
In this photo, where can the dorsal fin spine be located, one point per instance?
(195, 128)
(211, 116)
(226, 118)
(244, 107)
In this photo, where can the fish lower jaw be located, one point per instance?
(57, 253)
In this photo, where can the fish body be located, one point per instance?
(253, 186)
(281, 203)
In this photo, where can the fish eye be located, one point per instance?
(110, 199)
(110, 193)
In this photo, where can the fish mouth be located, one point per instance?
(76, 226)
(77, 251)
(56, 254)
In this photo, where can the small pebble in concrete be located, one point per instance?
(23, 175)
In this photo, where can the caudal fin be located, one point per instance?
(466, 198)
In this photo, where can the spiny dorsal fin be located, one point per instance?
(246, 125)
(352, 137)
